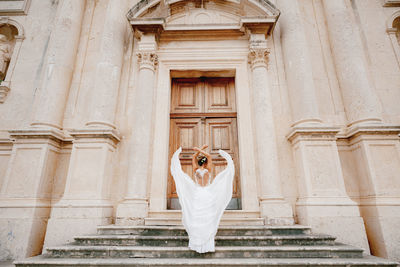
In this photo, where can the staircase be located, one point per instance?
(235, 246)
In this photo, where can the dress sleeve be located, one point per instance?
(185, 187)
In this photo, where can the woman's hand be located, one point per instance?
(200, 150)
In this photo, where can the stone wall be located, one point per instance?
(77, 105)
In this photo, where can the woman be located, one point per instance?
(202, 202)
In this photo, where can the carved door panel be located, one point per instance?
(187, 96)
(221, 133)
(219, 95)
(203, 111)
(185, 133)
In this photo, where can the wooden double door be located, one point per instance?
(203, 111)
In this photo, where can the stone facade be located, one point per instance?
(85, 98)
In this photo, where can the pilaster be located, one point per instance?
(109, 67)
(86, 200)
(273, 206)
(359, 96)
(26, 191)
(59, 65)
(298, 67)
(376, 151)
(323, 202)
(134, 207)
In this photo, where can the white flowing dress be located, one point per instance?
(202, 206)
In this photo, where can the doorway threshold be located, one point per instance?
(230, 217)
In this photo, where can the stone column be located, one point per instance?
(26, 193)
(108, 69)
(374, 144)
(135, 205)
(358, 91)
(323, 202)
(60, 63)
(298, 68)
(273, 206)
(86, 200)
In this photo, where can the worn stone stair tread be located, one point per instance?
(365, 261)
(222, 227)
(246, 237)
(339, 247)
(222, 230)
(224, 221)
(315, 237)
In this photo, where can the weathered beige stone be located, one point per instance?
(85, 113)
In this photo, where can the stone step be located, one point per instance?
(230, 217)
(170, 241)
(338, 251)
(222, 230)
(228, 214)
(227, 221)
(367, 261)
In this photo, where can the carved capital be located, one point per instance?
(147, 60)
(258, 57)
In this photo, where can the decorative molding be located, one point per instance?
(93, 135)
(336, 133)
(14, 7)
(325, 133)
(391, 3)
(187, 16)
(144, 5)
(33, 135)
(393, 33)
(5, 85)
(4, 89)
(258, 57)
(147, 60)
(16, 24)
(378, 131)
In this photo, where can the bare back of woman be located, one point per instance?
(202, 166)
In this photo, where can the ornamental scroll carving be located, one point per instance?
(147, 60)
(258, 57)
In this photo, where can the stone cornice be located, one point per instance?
(317, 132)
(373, 129)
(391, 3)
(110, 134)
(159, 25)
(142, 6)
(39, 133)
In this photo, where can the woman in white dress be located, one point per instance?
(203, 201)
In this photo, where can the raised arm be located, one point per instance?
(208, 156)
(194, 156)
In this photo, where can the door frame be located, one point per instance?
(202, 118)
(227, 63)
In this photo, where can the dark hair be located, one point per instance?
(202, 161)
